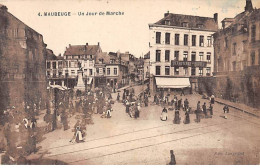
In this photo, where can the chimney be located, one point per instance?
(86, 44)
(249, 6)
(98, 43)
(166, 14)
(69, 45)
(216, 17)
(4, 8)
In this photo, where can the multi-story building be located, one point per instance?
(22, 64)
(64, 70)
(237, 49)
(181, 50)
(116, 70)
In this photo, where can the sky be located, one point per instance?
(128, 32)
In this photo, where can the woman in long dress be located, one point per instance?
(164, 115)
(79, 137)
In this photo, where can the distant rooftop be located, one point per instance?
(189, 21)
(82, 50)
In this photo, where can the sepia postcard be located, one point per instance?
(113, 82)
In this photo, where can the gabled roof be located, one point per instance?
(82, 50)
(193, 21)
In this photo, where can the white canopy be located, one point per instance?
(163, 82)
(58, 87)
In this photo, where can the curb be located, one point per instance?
(244, 111)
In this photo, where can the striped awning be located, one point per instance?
(162, 82)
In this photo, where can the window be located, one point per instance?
(72, 64)
(60, 64)
(48, 65)
(97, 70)
(209, 41)
(208, 57)
(60, 73)
(72, 72)
(177, 39)
(186, 39)
(234, 48)
(184, 24)
(167, 38)
(167, 70)
(200, 71)
(66, 73)
(53, 65)
(48, 73)
(226, 42)
(108, 71)
(167, 55)
(201, 41)
(193, 71)
(186, 72)
(201, 56)
(208, 71)
(200, 26)
(176, 55)
(193, 40)
(167, 22)
(253, 33)
(90, 72)
(158, 37)
(115, 71)
(193, 56)
(158, 70)
(176, 70)
(185, 56)
(54, 73)
(104, 71)
(234, 64)
(158, 55)
(253, 58)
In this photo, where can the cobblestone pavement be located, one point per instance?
(148, 140)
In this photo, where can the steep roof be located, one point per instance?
(82, 50)
(193, 21)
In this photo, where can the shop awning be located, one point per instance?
(56, 86)
(172, 82)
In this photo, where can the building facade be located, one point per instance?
(237, 49)
(63, 70)
(181, 46)
(22, 64)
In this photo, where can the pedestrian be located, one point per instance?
(127, 105)
(226, 110)
(108, 114)
(164, 115)
(204, 108)
(173, 161)
(186, 104)
(212, 99)
(198, 112)
(118, 97)
(187, 118)
(146, 101)
(177, 119)
(179, 104)
(211, 109)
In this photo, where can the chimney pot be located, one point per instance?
(216, 17)
(86, 44)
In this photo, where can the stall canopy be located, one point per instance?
(58, 87)
(172, 82)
